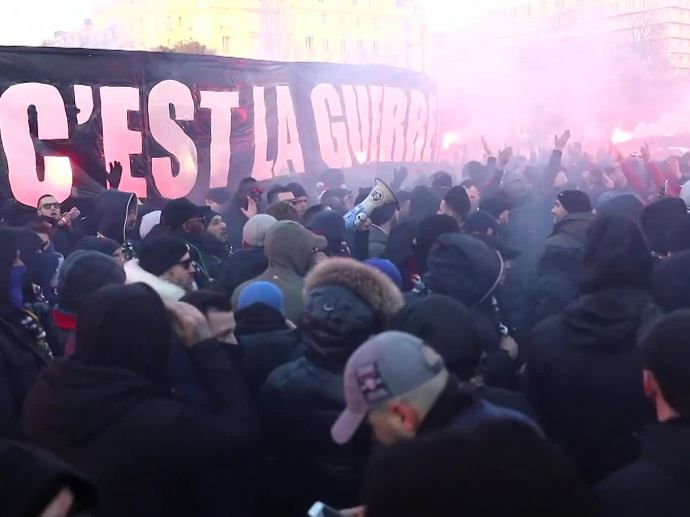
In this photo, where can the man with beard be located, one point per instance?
(214, 243)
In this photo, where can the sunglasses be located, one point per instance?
(51, 206)
(185, 263)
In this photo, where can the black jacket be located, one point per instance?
(148, 455)
(235, 221)
(241, 267)
(556, 286)
(584, 378)
(299, 404)
(20, 365)
(266, 343)
(658, 483)
(213, 253)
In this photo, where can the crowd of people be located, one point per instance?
(511, 342)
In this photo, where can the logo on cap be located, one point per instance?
(371, 384)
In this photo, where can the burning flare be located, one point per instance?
(450, 138)
(619, 136)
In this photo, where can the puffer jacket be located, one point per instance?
(584, 378)
(346, 302)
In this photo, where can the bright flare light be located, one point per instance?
(450, 138)
(619, 136)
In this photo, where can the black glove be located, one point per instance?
(114, 175)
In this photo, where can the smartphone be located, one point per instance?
(321, 510)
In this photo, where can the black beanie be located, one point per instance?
(575, 201)
(658, 217)
(479, 222)
(678, 235)
(158, 254)
(102, 244)
(176, 212)
(83, 273)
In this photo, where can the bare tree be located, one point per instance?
(187, 47)
(276, 30)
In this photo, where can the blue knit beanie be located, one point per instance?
(387, 268)
(262, 292)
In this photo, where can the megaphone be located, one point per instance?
(380, 195)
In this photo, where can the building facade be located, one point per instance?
(650, 30)
(387, 32)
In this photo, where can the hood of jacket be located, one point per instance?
(258, 318)
(608, 321)
(345, 303)
(463, 268)
(290, 245)
(665, 444)
(72, 402)
(570, 231)
(111, 213)
(167, 291)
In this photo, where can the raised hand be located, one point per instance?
(645, 153)
(560, 142)
(251, 209)
(487, 150)
(189, 323)
(673, 167)
(114, 175)
(505, 156)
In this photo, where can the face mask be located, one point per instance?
(17, 277)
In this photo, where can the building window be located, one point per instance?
(342, 21)
(343, 47)
(560, 4)
(324, 19)
(179, 22)
(168, 23)
(310, 45)
(354, 2)
(360, 47)
(359, 22)
(141, 25)
(376, 48)
(543, 7)
(326, 46)
(226, 44)
(376, 24)
(526, 10)
(371, 3)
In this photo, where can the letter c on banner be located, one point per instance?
(171, 136)
(19, 147)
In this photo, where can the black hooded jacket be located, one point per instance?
(584, 378)
(106, 412)
(266, 342)
(112, 207)
(346, 302)
(241, 267)
(659, 482)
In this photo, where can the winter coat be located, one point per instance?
(235, 221)
(213, 254)
(289, 250)
(240, 267)
(584, 378)
(556, 287)
(658, 483)
(266, 343)
(570, 231)
(148, 455)
(20, 365)
(378, 240)
(346, 302)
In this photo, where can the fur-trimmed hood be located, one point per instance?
(371, 285)
(167, 291)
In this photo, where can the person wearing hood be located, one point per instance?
(670, 280)
(331, 225)
(658, 218)
(677, 237)
(149, 222)
(22, 341)
(290, 250)
(267, 338)
(116, 216)
(466, 269)
(244, 206)
(410, 243)
(301, 198)
(424, 202)
(248, 262)
(83, 273)
(108, 412)
(657, 483)
(624, 204)
(165, 264)
(345, 303)
(446, 325)
(560, 265)
(583, 366)
(37, 484)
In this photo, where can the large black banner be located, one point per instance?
(180, 124)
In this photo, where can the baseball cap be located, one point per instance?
(178, 211)
(386, 367)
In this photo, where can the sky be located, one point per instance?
(30, 22)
